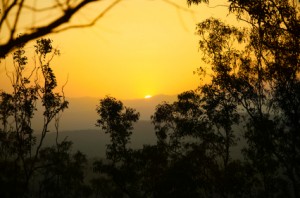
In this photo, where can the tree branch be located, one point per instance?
(16, 19)
(92, 22)
(40, 31)
(6, 11)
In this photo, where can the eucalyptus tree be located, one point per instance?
(117, 121)
(196, 133)
(20, 147)
(258, 70)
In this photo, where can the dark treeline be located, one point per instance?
(252, 81)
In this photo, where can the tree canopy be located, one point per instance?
(249, 106)
(252, 99)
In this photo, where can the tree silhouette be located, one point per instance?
(197, 1)
(196, 132)
(14, 31)
(22, 158)
(258, 70)
(254, 82)
(191, 157)
(11, 17)
(62, 172)
(117, 121)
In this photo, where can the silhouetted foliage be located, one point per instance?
(260, 76)
(252, 99)
(254, 84)
(196, 1)
(28, 169)
(197, 134)
(189, 158)
(117, 120)
(62, 173)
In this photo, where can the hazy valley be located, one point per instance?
(92, 142)
(77, 124)
(81, 114)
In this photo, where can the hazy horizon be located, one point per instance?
(81, 114)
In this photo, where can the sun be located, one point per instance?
(147, 96)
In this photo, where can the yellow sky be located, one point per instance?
(141, 47)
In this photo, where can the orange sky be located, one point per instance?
(139, 48)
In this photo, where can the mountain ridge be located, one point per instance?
(81, 114)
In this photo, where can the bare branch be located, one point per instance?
(43, 30)
(63, 88)
(6, 12)
(60, 5)
(216, 6)
(92, 22)
(181, 8)
(177, 6)
(58, 24)
(16, 19)
(40, 9)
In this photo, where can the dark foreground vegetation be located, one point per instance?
(254, 83)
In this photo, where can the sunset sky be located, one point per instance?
(141, 47)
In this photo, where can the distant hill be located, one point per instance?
(93, 142)
(81, 114)
(78, 125)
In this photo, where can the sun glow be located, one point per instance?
(127, 60)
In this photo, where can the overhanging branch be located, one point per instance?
(39, 31)
(92, 22)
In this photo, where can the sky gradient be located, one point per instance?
(139, 48)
